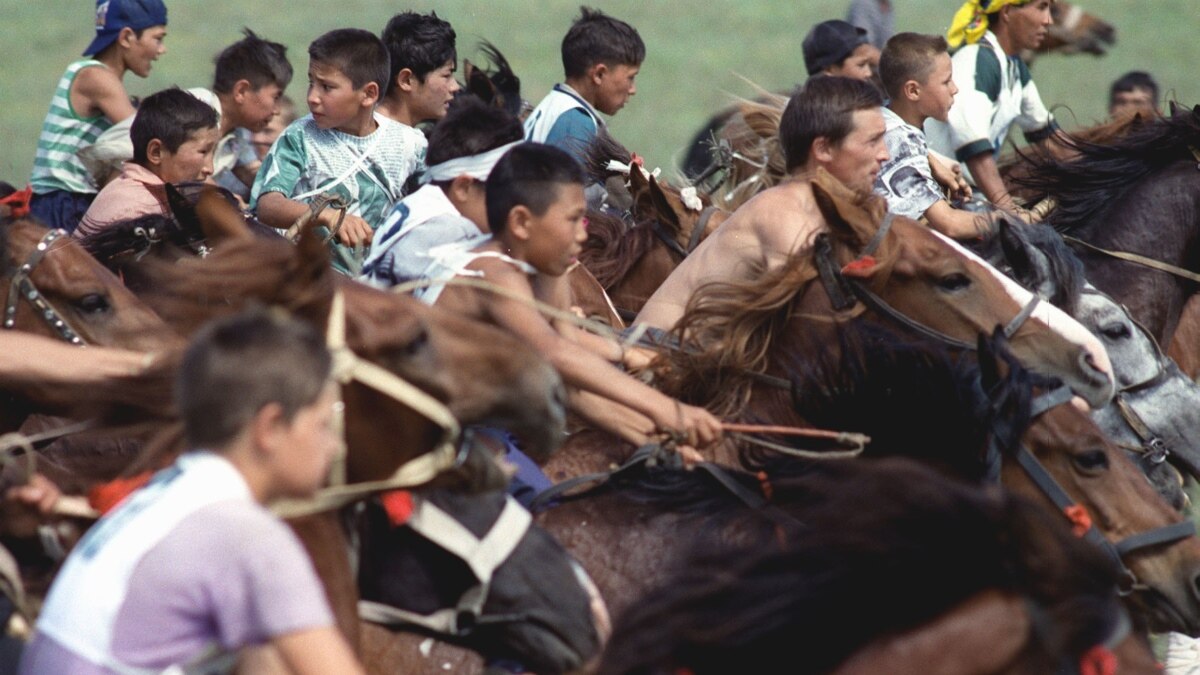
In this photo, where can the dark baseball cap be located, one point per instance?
(113, 15)
(829, 43)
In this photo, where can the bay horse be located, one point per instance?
(830, 595)
(645, 229)
(914, 402)
(1135, 194)
(484, 375)
(55, 289)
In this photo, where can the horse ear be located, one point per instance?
(219, 219)
(662, 204)
(845, 214)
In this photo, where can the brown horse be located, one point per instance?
(632, 259)
(831, 594)
(924, 408)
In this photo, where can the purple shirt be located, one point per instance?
(230, 573)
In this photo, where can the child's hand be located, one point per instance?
(354, 230)
(25, 507)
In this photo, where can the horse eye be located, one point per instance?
(1115, 331)
(954, 282)
(1091, 461)
(93, 303)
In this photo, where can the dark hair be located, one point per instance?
(596, 37)
(239, 364)
(172, 116)
(825, 107)
(420, 42)
(357, 53)
(1134, 79)
(260, 62)
(469, 128)
(908, 56)
(529, 175)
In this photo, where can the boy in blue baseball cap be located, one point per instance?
(91, 97)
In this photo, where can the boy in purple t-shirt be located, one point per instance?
(192, 567)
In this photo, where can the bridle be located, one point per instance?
(21, 286)
(1085, 529)
(844, 293)
(1154, 449)
(693, 241)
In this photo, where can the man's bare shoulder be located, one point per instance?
(783, 217)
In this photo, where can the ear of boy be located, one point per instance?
(519, 225)
(406, 80)
(155, 150)
(911, 90)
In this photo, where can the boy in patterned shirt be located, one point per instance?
(343, 147)
(916, 73)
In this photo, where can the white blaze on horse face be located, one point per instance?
(1052, 317)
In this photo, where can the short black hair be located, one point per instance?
(825, 107)
(469, 128)
(420, 42)
(237, 365)
(172, 116)
(260, 62)
(1134, 79)
(529, 175)
(596, 37)
(357, 53)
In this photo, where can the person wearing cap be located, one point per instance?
(840, 49)
(995, 88)
(91, 97)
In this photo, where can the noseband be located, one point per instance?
(845, 292)
(1037, 472)
(22, 286)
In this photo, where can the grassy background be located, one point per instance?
(696, 52)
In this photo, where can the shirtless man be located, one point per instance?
(834, 123)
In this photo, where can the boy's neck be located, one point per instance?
(584, 87)
(395, 107)
(1005, 40)
(228, 122)
(907, 112)
(242, 456)
(115, 61)
(362, 125)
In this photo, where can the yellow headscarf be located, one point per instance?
(970, 21)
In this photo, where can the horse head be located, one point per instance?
(933, 283)
(57, 289)
(1075, 31)
(531, 604)
(1098, 488)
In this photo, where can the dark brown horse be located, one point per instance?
(823, 595)
(1139, 194)
(913, 402)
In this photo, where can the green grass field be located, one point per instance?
(698, 53)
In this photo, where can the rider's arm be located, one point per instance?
(99, 89)
(956, 223)
(987, 178)
(316, 652)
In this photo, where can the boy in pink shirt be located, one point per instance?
(174, 135)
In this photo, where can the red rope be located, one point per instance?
(781, 431)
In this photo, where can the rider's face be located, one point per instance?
(857, 158)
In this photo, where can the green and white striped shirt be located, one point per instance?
(64, 133)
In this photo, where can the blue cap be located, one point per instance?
(113, 15)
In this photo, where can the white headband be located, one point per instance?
(476, 166)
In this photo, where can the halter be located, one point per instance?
(22, 286)
(1153, 450)
(347, 367)
(1055, 493)
(845, 292)
(693, 241)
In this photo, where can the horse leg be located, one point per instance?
(326, 543)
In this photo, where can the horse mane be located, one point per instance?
(753, 136)
(925, 545)
(728, 328)
(1102, 173)
(1065, 268)
(191, 291)
(613, 247)
(603, 149)
(501, 87)
(134, 236)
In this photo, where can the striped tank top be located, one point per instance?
(56, 167)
